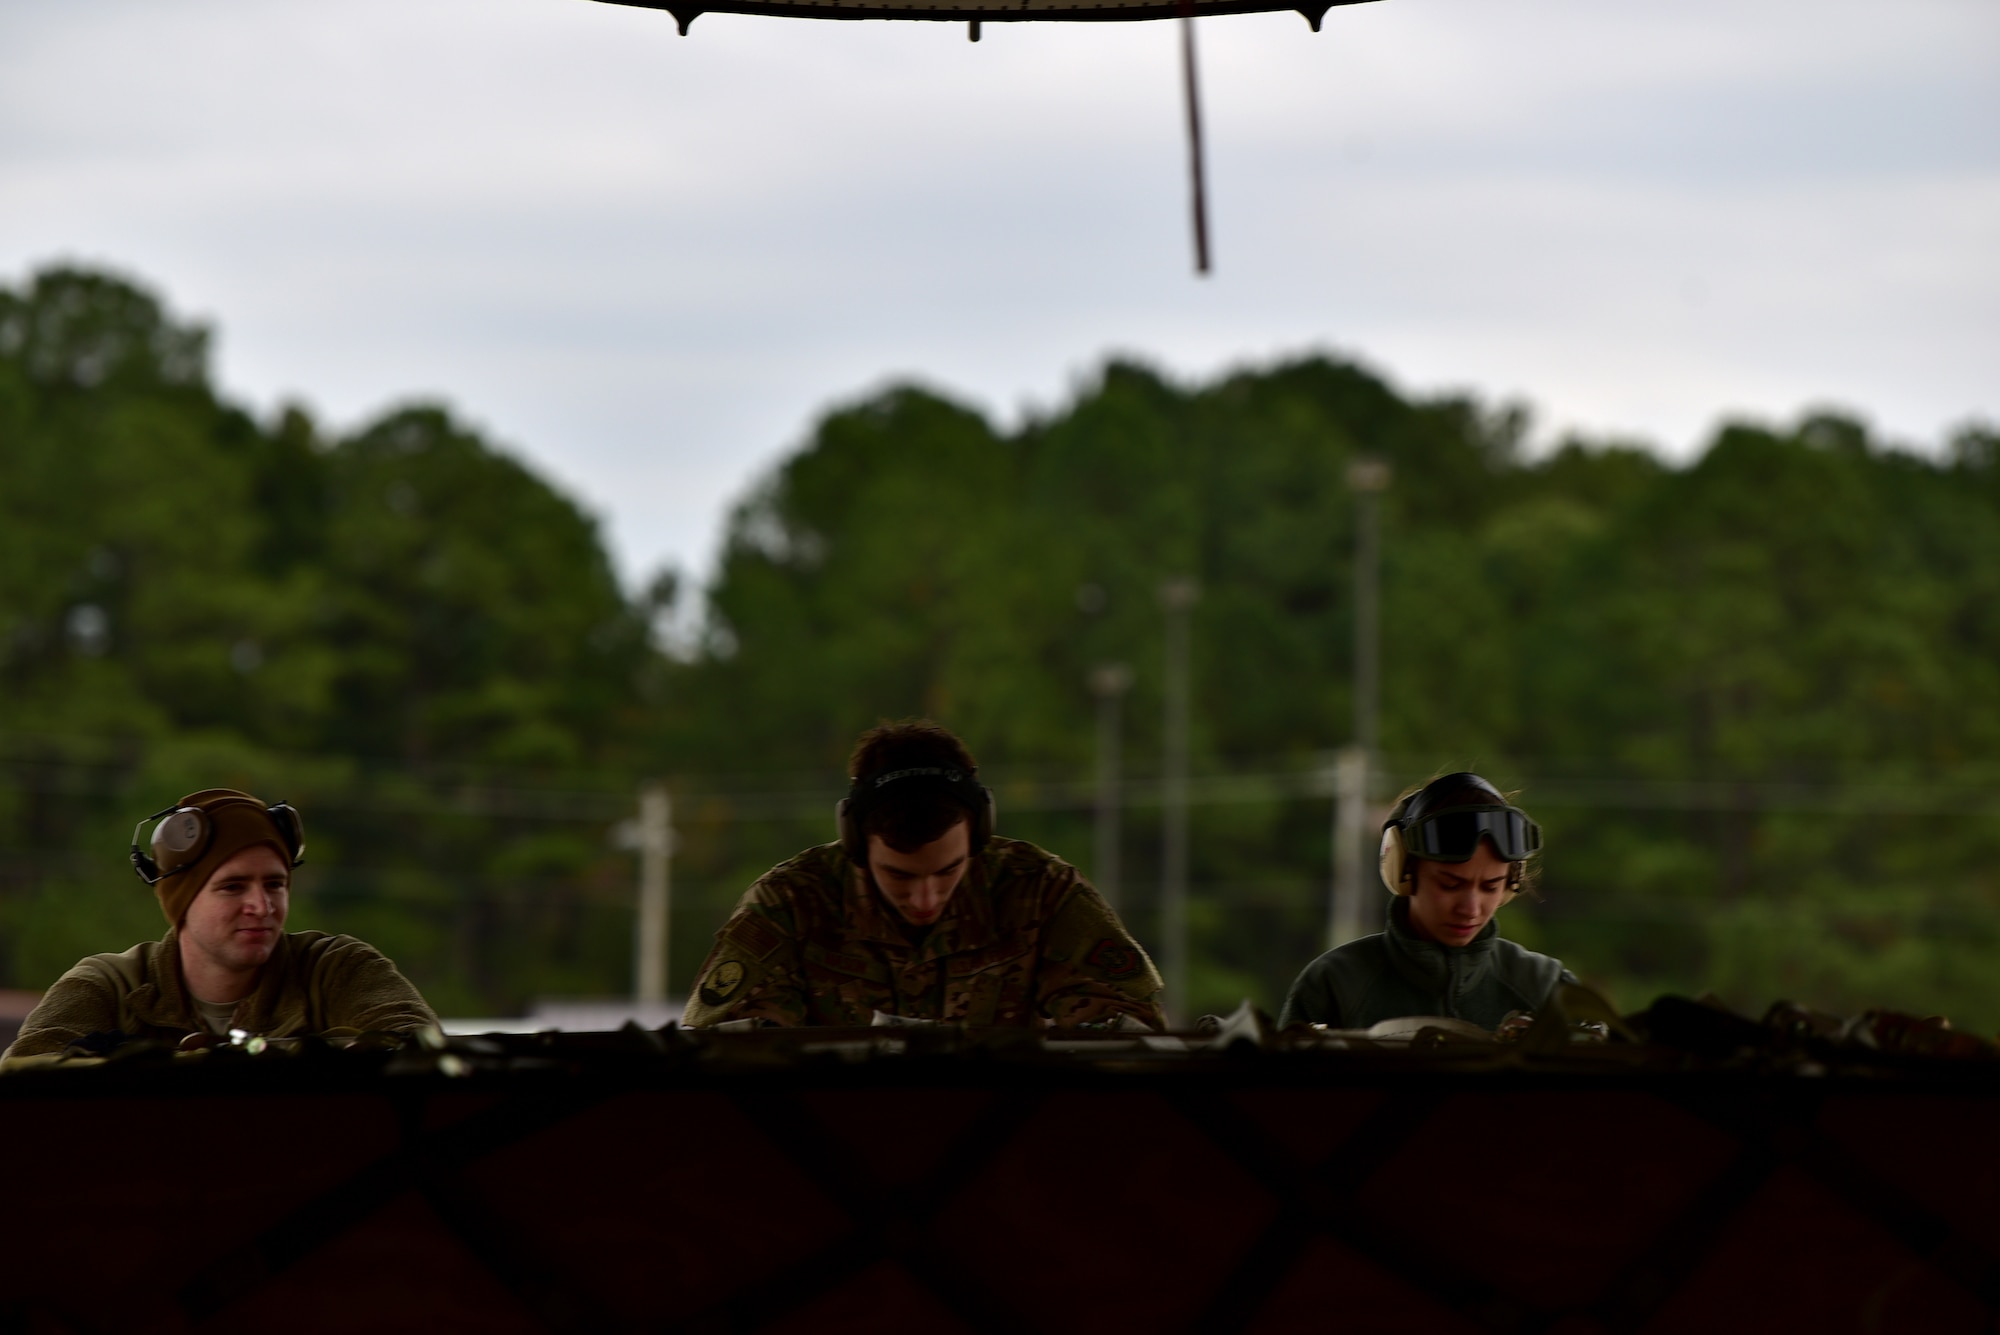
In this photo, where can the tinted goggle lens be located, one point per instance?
(1453, 836)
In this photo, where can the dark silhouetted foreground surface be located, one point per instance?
(1721, 1176)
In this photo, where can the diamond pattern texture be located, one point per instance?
(985, 1197)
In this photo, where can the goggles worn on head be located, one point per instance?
(1453, 833)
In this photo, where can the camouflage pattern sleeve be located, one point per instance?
(1092, 971)
(752, 973)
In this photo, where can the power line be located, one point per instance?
(466, 791)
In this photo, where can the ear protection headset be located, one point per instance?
(182, 837)
(1416, 829)
(867, 793)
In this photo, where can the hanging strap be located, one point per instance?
(1199, 187)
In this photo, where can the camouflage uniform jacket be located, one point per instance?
(1023, 940)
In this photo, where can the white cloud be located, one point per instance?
(648, 260)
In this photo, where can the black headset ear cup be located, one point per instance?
(290, 829)
(851, 842)
(983, 819)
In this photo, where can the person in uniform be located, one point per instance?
(920, 910)
(221, 865)
(1453, 852)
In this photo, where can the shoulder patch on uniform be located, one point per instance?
(722, 982)
(1114, 958)
(755, 934)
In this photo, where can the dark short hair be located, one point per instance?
(908, 818)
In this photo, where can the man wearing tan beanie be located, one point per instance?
(221, 864)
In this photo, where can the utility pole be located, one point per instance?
(1350, 846)
(1177, 597)
(1354, 857)
(656, 846)
(1109, 684)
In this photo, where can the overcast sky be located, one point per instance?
(646, 262)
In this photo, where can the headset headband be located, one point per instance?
(924, 771)
(189, 836)
(865, 792)
(1419, 803)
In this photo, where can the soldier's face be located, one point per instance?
(1454, 900)
(234, 922)
(920, 883)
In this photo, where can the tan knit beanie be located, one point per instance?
(236, 821)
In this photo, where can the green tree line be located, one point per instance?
(1755, 699)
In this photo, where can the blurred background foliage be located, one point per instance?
(1755, 699)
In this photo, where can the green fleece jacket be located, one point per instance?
(312, 983)
(1399, 973)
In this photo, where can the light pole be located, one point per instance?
(656, 844)
(1177, 597)
(1353, 853)
(1350, 843)
(1109, 684)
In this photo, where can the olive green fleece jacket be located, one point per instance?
(312, 983)
(1398, 973)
